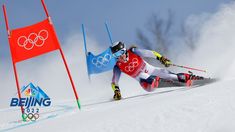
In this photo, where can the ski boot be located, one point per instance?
(188, 78)
(194, 77)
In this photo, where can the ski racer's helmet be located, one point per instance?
(118, 49)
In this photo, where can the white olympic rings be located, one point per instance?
(101, 60)
(132, 65)
(33, 39)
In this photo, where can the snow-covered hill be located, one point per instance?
(209, 108)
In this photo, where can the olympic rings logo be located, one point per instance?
(132, 65)
(30, 116)
(101, 60)
(33, 39)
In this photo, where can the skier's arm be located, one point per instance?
(116, 75)
(146, 53)
(114, 84)
(152, 54)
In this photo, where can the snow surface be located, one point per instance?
(202, 109)
(209, 108)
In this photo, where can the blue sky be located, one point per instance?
(123, 16)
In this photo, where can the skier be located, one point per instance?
(132, 63)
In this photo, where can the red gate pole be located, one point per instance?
(64, 60)
(71, 80)
(13, 63)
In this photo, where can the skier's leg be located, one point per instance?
(161, 72)
(148, 81)
(165, 74)
(187, 78)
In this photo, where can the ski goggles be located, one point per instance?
(119, 53)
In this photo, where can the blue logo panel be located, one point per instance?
(100, 63)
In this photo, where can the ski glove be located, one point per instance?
(165, 61)
(117, 93)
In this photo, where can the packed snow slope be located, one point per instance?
(209, 108)
(202, 109)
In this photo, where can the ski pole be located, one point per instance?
(190, 68)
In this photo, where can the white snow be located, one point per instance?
(202, 109)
